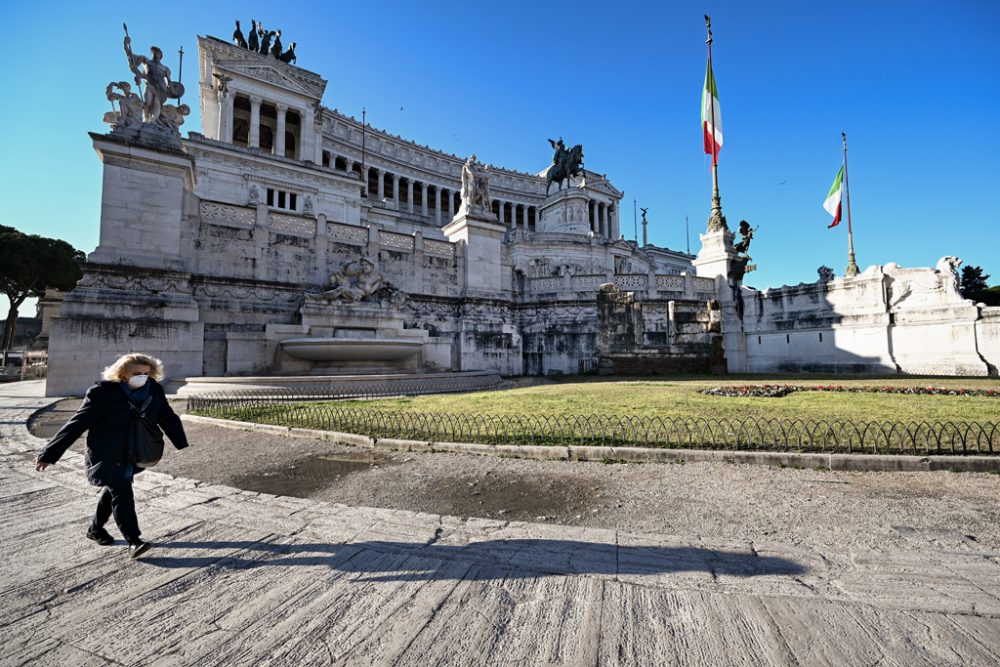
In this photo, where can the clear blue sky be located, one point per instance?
(914, 84)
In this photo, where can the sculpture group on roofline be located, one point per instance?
(150, 106)
(264, 42)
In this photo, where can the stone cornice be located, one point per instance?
(261, 166)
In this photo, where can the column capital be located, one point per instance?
(256, 100)
(281, 107)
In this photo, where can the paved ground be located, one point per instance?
(239, 577)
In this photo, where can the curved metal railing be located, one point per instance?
(298, 407)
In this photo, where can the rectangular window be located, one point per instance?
(821, 337)
(788, 338)
(282, 199)
(758, 340)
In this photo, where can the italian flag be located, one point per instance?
(711, 117)
(833, 197)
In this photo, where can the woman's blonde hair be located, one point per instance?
(116, 371)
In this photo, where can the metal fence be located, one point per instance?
(298, 408)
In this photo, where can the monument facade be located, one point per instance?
(287, 238)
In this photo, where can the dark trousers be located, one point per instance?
(120, 501)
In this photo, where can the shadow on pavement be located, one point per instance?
(503, 559)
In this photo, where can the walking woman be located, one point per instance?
(105, 414)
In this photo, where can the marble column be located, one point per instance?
(279, 139)
(380, 179)
(437, 204)
(524, 218)
(409, 195)
(226, 126)
(255, 121)
(423, 199)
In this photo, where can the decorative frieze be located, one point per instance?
(632, 281)
(347, 233)
(670, 283)
(587, 283)
(703, 285)
(439, 248)
(227, 214)
(546, 284)
(237, 293)
(134, 283)
(292, 225)
(395, 241)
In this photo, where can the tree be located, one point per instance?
(973, 281)
(30, 264)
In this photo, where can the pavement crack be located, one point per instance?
(438, 532)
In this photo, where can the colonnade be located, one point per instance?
(258, 123)
(603, 219)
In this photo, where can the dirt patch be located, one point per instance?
(304, 477)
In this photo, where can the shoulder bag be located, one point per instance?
(145, 439)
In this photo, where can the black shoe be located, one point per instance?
(100, 536)
(137, 548)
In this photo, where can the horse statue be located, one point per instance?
(568, 165)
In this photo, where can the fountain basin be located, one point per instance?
(346, 349)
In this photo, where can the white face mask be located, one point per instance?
(137, 381)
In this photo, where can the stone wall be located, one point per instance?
(641, 337)
(889, 319)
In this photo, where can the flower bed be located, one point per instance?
(779, 390)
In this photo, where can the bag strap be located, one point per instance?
(140, 413)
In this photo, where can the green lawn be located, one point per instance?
(681, 398)
(669, 412)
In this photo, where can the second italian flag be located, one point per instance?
(833, 198)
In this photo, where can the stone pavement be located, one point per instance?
(241, 578)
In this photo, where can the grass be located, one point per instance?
(681, 398)
(669, 412)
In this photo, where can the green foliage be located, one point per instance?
(973, 281)
(31, 264)
(990, 296)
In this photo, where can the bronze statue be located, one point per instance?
(643, 214)
(276, 47)
(747, 233)
(265, 42)
(289, 55)
(560, 150)
(254, 43)
(565, 164)
(238, 38)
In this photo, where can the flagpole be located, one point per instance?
(635, 225)
(716, 221)
(852, 265)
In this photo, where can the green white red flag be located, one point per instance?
(711, 116)
(834, 197)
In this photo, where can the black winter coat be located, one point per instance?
(105, 415)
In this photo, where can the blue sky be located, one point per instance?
(914, 84)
